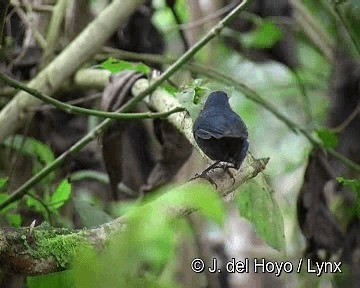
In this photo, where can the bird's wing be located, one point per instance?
(219, 126)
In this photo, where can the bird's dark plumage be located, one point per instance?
(220, 132)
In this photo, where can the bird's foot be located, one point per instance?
(206, 177)
(217, 165)
(204, 174)
(226, 168)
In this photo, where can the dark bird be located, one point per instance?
(220, 133)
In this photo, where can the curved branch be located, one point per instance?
(84, 111)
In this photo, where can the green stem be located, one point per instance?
(21, 191)
(83, 111)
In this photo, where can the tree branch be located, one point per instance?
(84, 111)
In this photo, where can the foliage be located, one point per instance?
(49, 203)
(116, 66)
(266, 35)
(255, 203)
(329, 139)
(354, 186)
(142, 253)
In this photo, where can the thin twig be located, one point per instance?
(348, 120)
(80, 110)
(22, 190)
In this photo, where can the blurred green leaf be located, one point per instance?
(169, 88)
(3, 182)
(116, 66)
(186, 98)
(53, 280)
(31, 147)
(266, 35)
(255, 203)
(61, 194)
(148, 241)
(353, 185)
(328, 137)
(37, 206)
(193, 97)
(201, 196)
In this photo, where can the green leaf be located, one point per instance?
(116, 66)
(35, 205)
(201, 196)
(61, 194)
(169, 88)
(3, 182)
(193, 97)
(354, 185)
(30, 147)
(328, 137)
(256, 204)
(266, 35)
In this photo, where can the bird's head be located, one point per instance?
(217, 99)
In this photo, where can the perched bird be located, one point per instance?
(220, 132)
